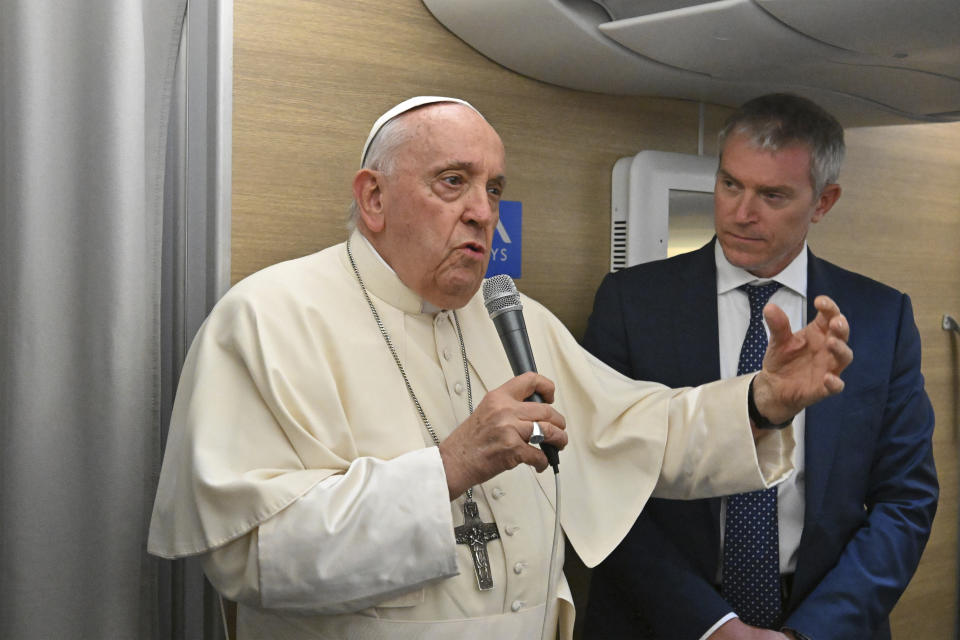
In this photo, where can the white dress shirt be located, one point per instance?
(733, 316)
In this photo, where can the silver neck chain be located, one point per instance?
(396, 358)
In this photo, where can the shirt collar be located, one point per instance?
(729, 277)
(383, 281)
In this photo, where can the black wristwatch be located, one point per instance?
(761, 421)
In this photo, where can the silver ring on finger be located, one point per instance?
(537, 436)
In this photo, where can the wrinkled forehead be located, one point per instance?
(441, 137)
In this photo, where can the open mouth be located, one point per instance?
(474, 249)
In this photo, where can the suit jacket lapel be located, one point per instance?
(821, 427)
(698, 346)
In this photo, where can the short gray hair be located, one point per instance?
(382, 156)
(779, 120)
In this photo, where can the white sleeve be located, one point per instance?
(382, 529)
(716, 625)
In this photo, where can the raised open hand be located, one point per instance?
(802, 368)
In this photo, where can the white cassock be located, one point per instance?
(298, 464)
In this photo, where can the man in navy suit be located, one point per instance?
(854, 519)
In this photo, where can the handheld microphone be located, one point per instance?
(502, 300)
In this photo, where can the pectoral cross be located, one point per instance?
(477, 533)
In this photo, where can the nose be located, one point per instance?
(745, 208)
(479, 208)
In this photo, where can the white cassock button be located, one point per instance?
(516, 606)
(511, 530)
(446, 354)
(498, 493)
(458, 388)
(518, 568)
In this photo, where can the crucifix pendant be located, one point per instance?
(477, 534)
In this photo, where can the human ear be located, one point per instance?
(828, 197)
(368, 195)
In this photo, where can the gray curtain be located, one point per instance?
(86, 93)
(196, 249)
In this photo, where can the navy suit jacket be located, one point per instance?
(871, 488)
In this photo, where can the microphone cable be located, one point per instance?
(551, 583)
(502, 300)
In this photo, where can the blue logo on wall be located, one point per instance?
(506, 252)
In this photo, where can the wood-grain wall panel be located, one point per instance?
(311, 77)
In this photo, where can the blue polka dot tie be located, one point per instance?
(751, 543)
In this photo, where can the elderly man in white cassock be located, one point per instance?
(349, 449)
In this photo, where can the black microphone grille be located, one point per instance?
(500, 295)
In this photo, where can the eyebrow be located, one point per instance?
(465, 165)
(763, 188)
(723, 173)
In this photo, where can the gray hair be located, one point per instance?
(382, 156)
(779, 120)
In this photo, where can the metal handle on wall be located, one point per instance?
(950, 324)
